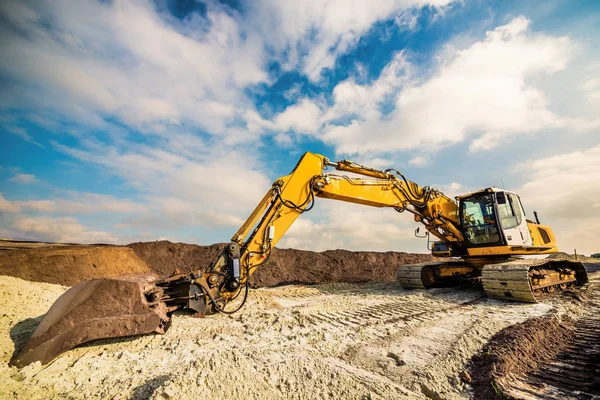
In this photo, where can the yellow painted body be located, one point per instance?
(271, 212)
(510, 250)
(292, 194)
(542, 236)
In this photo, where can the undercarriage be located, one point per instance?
(512, 279)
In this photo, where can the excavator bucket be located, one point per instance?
(97, 309)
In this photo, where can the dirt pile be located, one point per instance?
(561, 255)
(295, 266)
(69, 265)
(163, 257)
(515, 351)
(285, 265)
(525, 348)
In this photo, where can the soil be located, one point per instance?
(299, 266)
(333, 339)
(285, 266)
(503, 368)
(336, 340)
(564, 256)
(517, 350)
(69, 265)
(163, 257)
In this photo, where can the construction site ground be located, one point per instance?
(329, 340)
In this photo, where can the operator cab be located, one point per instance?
(493, 217)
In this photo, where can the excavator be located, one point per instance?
(480, 239)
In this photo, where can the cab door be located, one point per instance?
(512, 219)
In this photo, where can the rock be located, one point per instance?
(430, 393)
(465, 377)
(399, 361)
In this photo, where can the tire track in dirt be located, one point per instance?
(551, 356)
(574, 372)
(383, 313)
(427, 353)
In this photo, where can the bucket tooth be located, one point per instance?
(96, 309)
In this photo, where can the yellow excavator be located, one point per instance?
(478, 239)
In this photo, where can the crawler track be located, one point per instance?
(435, 274)
(409, 276)
(530, 280)
(517, 280)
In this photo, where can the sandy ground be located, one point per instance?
(325, 341)
(526, 388)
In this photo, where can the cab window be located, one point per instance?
(479, 220)
(509, 211)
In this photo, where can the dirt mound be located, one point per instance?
(285, 265)
(524, 348)
(69, 265)
(552, 356)
(564, 256)
(515, 351)
(163, 257)
(299, 266)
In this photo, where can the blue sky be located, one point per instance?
(138, 120)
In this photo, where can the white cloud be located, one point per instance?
(66, 229)
(482, 89)
(418, 161)
(407, 20)
(293, 93)
(123, 59)
(36, 205)
(454, 189)
(75, 203)
(85, 203)
(378, 162)
(591, 88)
(364, 101)
(565, 189)
(314, 33)
(16, 130)
(187, 213)
(218, 185)
(571, 177)
(351, 100)
(23, 178)
(335, 225)
(8, 206)
(302, 117)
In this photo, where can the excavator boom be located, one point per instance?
(131, 306)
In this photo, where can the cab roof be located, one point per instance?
(483, 191)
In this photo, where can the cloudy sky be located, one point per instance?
(133, 120)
